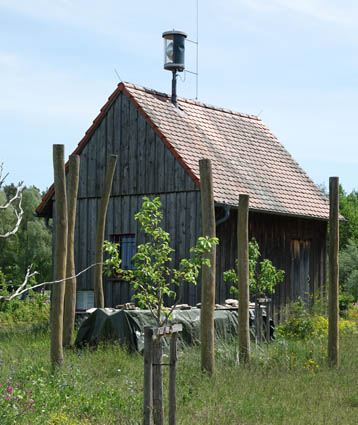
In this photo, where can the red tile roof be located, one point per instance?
(246, 156)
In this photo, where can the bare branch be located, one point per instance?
(18, 195)
(2, 179)
(21, 290)
(19, 213)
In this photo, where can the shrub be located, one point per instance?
(345, 302)
(302, 324)
(35, 310)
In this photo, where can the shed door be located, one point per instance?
(300, 269)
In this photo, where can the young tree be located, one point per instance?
(152, 277)
(262, 281)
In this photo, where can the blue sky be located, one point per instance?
(293, 63)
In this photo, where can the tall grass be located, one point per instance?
(287, 382)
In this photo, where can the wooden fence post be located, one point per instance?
(58, 290)
(70, 291)
(333, 306)
(158, 410)
(208, 273)
(172, 379)
(268, 317)
(148, 374)
(243, 272)
(101, 224)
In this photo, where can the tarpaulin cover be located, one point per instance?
(127, 326)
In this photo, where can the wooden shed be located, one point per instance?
(159, 147)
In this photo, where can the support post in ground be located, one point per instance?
(172, 379)
(148, 374)
(61, 226)
(243, 272)
(208, 273)
(333, 306)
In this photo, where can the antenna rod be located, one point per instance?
(174, 88)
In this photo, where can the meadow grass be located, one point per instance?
(287, 382)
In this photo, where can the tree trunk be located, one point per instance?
(243, 272)
(58, 291)
(207, 273)
(101, 224)
(333, 306)
(70, 292)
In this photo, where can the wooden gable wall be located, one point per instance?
(145, 167)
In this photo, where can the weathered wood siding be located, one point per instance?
(295, 245)
(145, 167)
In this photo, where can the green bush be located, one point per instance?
(304, 324)
(33, 311)
(298, 324)
(345, 303)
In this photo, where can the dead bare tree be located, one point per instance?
(18, 211)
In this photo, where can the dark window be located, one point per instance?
(126, 249)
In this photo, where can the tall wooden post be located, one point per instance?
(148, 374)
(101, 224)
(208, 273)
(333, 306)
(158, 410)
(58, 291)
(172, 379)
(243, 272)
(70, 292)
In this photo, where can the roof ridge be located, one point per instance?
(190, 101)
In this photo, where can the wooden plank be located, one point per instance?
(179, 177)
(82, 251)
(110, 131)
(124, 160)
(133, 149)
(167, 330)
(150, 166)
(101, 159)
(169, 161)
(161, 166)
(191, 237)
(141, 170)
(116, 146)
(83, 187)
(91, 239)
(117, 213)
(181, 237)
(92, 165)
(171, 228)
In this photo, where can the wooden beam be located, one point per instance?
(333, 305)
(208, 273)
(58, 291)
(243, 272)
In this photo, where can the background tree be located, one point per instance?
(32, 243)
(348, 207)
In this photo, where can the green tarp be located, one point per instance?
(127, 326)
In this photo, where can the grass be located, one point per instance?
(287, 383)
